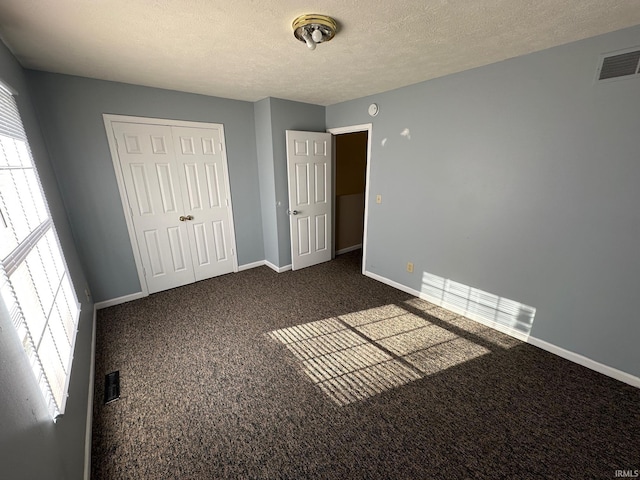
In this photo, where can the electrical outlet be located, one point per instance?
(378, 198)
(409, 267)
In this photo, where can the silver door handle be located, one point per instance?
(293, 212)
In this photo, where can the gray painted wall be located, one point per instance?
(273, 117)
(31, 445)
(70, 110)
(521, 179)
(264, 147)
(288, 115)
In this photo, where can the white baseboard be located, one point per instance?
(586, 362)
(452, 308)
(286, 268)
(89, 426)
(249, 266)
(549, 347)
(119, 300)
(391, 283)
(136, 296)
(349, 249)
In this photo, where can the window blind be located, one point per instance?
(35, 285)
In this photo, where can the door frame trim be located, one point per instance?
(108, 119)
(365, 127)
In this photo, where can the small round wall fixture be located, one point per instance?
(374, 109)
(314, 29)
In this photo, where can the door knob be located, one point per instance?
(293, 212)
(188, 217)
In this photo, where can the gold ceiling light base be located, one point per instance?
(313, 29)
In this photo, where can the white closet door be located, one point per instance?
(151, 178)
(202, 166)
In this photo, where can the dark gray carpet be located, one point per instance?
(208, 393)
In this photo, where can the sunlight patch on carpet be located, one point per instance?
(361, 354)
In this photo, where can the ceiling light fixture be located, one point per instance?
(313, 29)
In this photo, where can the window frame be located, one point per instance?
(27, 274)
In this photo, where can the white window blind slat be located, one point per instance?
(10, 122)
(35, 286)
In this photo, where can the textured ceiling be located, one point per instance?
(245, 49)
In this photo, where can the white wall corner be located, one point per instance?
(286, 268)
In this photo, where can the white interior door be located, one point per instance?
(310, 202)
(151, 180)
(176, 186)
(202, 167)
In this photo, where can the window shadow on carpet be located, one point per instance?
(357, 355)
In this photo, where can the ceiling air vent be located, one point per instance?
(619, 65)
